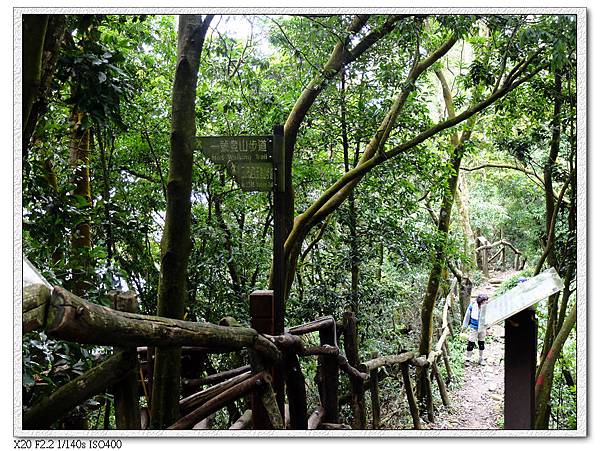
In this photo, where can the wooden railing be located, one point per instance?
(273, 363)
(484, 259)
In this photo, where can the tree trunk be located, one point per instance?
(52, 41)
(176, 243)
(81, 241)
(435, 274)
(443, 226)
(352, 213)
(543, 383)
(551, 329)
(357, 386)
(462, 203)
(70, 395)
(34, 32)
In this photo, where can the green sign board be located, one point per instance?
(225, 149)
(249, 159)
(253, 176)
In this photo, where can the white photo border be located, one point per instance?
(582, 312)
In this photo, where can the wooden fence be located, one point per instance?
(485, 258)
(273, 364)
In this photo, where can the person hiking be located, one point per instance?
(475, 331)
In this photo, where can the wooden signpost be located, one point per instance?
(257, 163)
(520, 343)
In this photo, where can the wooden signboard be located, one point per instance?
(225, 149)
(252, 176)
(258, 163)
(520, 297)
(249, 159)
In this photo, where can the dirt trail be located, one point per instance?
(478, 402)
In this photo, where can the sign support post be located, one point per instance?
(279, 263)
(279, 270)
(520, 339)
(258, 163)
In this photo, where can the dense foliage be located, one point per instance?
(374, 252)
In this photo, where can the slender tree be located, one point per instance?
(176, 242)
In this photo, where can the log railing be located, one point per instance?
(63, 315)
(484, 260)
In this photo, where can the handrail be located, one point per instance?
(74, 319)
(63, 315)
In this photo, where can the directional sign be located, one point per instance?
(520, 297)
(225, 149)
(249, 159)
(253, 176)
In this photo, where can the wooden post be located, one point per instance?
(261, 320)
(150, 369)
(279, 261)
(296, 392)
(517, 257)
(127, 407)
(428, 395)
(374, 388)
(440, 383)
(447, 363)
(328, 376)
(357, 386)
(410, 396)
(485, 262)
(520, 345)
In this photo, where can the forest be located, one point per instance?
(421, 160)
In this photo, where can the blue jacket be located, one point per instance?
(472, 316)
